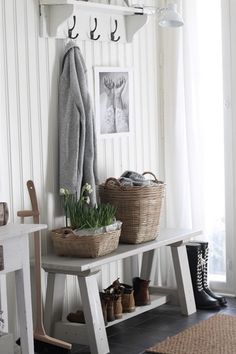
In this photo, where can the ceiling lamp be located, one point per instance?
(168, 16)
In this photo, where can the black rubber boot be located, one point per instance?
(202, 299)
(205, 252)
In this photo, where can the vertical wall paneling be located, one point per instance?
(6, 192)
(144, 91)
(137, 109)
(153, 93)
(4, 131)
(11, 97)
(131, 141)
(23, 96)
(29, 71)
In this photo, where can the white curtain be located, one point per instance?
(183, 173)
(190, 127)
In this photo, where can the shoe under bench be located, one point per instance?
(93, 333)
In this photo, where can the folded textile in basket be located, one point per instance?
(94, 231)
(131, 178)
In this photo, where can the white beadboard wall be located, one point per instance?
(29, 72)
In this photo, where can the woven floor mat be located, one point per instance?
(217, 335)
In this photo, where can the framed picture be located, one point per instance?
(113, 106)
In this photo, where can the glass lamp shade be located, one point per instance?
(169, 17)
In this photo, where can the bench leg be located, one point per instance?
(24, 308)
(183, 279)
(134, 266)
(149, 265)
(93, 314)
(54, 301)
(3, 300)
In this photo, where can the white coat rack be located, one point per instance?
(90, 21)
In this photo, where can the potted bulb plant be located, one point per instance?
(91, 231)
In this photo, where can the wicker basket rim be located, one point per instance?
(71, 235)
(130, 188)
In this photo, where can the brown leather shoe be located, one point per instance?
(127, 296)
(128, 303)
(77, 317)
(117, 306)
(104, 301)
(141, 292)
(114, 287)
(110, 309)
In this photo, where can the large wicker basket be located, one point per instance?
(138, 207)
(66, 243)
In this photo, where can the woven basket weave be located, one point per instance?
(138, 207)
(66, 243)
(4, 213)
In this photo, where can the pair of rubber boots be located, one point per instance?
(198, 263)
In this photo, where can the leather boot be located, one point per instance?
(110, 309)
(117, 306)
(127, 295)
(205, 252)
(202, 299)
(141, 292)
(114, 287)
(128, 303)
(104, 301)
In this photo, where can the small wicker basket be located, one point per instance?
(66, 243)
(138, 207)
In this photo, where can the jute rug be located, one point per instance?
(217, 335)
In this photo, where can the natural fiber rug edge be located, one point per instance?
(216, 335)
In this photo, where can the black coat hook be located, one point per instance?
(113, 33)
(71, 29)
(92, 31)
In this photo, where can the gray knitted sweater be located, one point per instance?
(77, 146)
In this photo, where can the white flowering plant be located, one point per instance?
(84, 216)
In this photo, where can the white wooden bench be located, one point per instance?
(93, 332)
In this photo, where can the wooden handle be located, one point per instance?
(37, 255)
(33, 199)
(35, 210)
(25, 213)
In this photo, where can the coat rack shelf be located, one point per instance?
(58, 16)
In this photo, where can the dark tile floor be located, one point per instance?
(137, 334)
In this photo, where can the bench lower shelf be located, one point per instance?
(86, 270)
(77, 332)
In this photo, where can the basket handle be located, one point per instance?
(150, 173)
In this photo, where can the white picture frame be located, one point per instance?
(113, 100)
